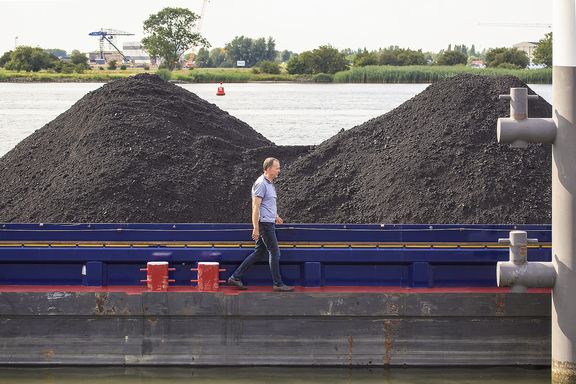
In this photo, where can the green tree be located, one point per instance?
(5, 58)
(543, 52)
(271, 49)
(57, 52)
(112, 65)
(217, 57)
(65, 67)
(296, 65)
(25, 58)
(202, 59)
(328, 60)
(365, 58)
(79, 59)
(268, 66)
(451, 58)
(323, 59)
(400, 56)
(251, 51)
(170, 33)
(497, 56)
(285, 55)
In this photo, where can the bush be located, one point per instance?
(268, 66)
(123, 67)
(323, 59)
(256, 70)
(63, 67)
(430, 74)
(164, 74)
(508, 66)
(323, 78)
(28, 59)
(452, 58)
(112, 65)
(146, 67)
(497, 56)
(101, 68)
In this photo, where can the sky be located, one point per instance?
(296, 25)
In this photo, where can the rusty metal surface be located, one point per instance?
(265, 328)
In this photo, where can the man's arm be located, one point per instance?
(256, 202)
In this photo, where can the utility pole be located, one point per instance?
(560, 131)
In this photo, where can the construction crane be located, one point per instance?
(517, 25)
(198, 28)
(202, 14)
(108, 35)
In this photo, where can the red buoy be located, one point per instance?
(220, 91)
(208, 276)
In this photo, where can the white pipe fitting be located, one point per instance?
(518, 133)
(518, 130)
(520, 274)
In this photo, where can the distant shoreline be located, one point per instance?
(360, 75)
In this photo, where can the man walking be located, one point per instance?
(264, 220)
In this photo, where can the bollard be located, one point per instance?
(157, 276)
(208, 276)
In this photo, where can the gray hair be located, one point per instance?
(269, 162)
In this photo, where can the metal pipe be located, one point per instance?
(563, 184)
(564, 193)
(518, 273)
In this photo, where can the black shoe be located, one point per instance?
(237, 283)
(283, 288)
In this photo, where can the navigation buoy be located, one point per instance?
(220, 91)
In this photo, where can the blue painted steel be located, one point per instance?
(95, 273)
(312, 274)
(107, 265)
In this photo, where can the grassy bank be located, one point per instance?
(204, 75)
(431, 74)
(370, 74)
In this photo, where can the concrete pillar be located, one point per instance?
(564, 194)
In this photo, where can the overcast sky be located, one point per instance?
(296, 25)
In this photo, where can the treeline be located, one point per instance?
(260, 52)
(33, 59)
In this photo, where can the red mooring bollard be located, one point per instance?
(157, 275)
(208, 276)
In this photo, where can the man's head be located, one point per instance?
(271, 168)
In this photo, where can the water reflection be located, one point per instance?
(165, 375)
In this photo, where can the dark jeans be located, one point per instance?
(266, 247)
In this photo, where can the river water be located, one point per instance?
(266, 375)
(286, 113)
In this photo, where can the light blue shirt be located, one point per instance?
(266, 190)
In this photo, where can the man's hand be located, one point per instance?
(255, 234)
(279, 220)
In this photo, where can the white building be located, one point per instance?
(528, 47)
(136, 53)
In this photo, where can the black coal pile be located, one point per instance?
(434, 159)
(136, 150)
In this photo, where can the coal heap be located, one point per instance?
(434, 159)
(143, 150)
(136, 150)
